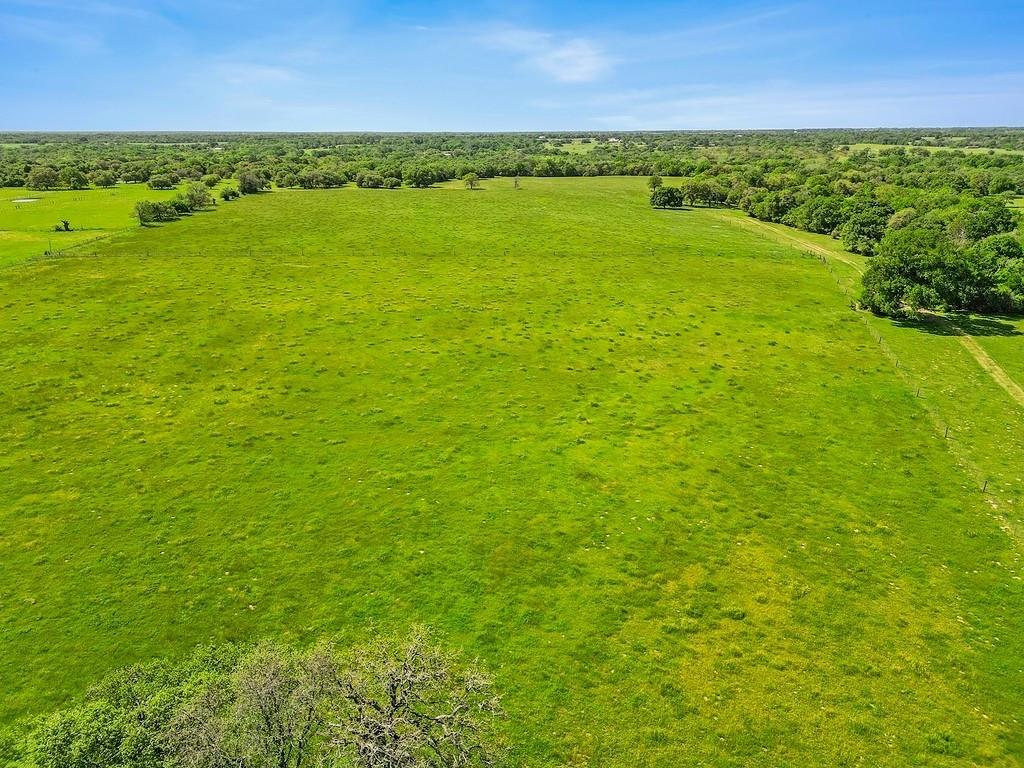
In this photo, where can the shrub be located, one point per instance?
(198, 196)
(147, 211)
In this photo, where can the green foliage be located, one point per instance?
(73, 178)
(229, 193)
(703, 191)
(369, 180)
(161, 182)
(979, 219)
(149, 211)
(274, 705)
(318, 179)
(666, 197)
(251, 182)
(921, 266)
(197, 196)
(103, 178)
(420, 176)
(823, 214)
(865, 219)
(42, 177)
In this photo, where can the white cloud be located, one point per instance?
(573, 60)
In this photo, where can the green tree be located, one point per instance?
(250, 182)
(42, 177)
(864, 227)
(198, 196)
(980, 219)
(369, 180)
(667, 197)
(420, 176)
(73, 178)
(161, 182)
(471, 181)
(147, 211)
(103, 178)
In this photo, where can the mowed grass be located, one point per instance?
(26, 228)
(647, 465)
(975, 414)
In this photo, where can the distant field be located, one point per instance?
(26, 228)
(575, 147)
(969, 150)
(646, 464)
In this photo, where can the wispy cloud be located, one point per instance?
(567, 60)
(48, 33)
(252, 73)
(94, 9)
(777, 104)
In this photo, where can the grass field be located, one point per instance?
(967, 150)
(575, 146)
(26, 228)
(646, 464)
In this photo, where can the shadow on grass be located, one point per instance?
(992, 325)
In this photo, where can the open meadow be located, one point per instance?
(646, 464)
(28, 217)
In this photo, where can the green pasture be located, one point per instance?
(647, 465)
(26, 228)
(968, 150)
(575, 146)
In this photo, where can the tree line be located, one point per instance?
(782, 159)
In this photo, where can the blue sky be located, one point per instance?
(530, 66)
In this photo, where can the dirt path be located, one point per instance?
(820, 250)
(990, 366)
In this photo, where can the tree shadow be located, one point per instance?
(956, 324)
